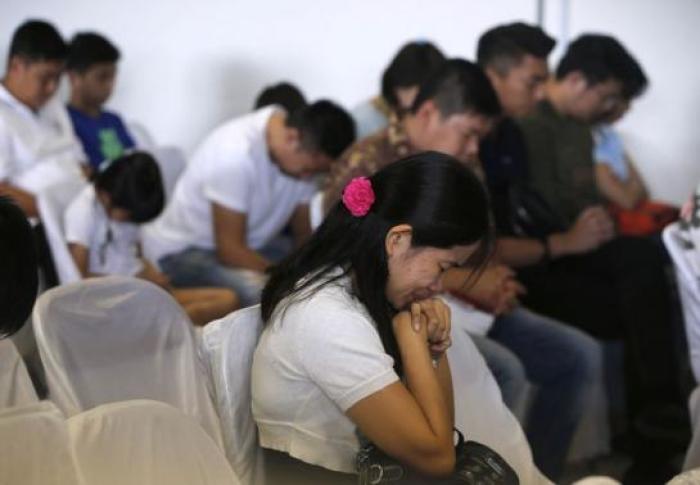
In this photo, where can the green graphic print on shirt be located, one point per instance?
(110, 145)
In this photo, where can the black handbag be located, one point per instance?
(476, 464)
(531, 215)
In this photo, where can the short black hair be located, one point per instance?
(133, 183)
(635, 82)
(601, 58)
(459, 86)
(89, 48)
(410, 67)
(36, 40)
(283, 94)
(324, 126)
(505, 46)
(18, 269)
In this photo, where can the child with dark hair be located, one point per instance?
(103, 233)
(400, 82)
(284, 94)
(92, 70)
(18, 276)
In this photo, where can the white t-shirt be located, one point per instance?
(313, 362)
(37, 149)
(113, 246)
(232, 168)
(323, 354)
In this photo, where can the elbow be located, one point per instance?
(439, 463)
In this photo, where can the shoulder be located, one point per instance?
(367, 149)
(112, 117)
(326, 313)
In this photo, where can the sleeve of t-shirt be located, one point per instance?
(78, 220)
(343, 355)
(230, 185)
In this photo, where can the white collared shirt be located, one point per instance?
(37, 149)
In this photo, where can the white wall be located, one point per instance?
(188, 65)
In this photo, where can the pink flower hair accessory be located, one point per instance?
(358, 196)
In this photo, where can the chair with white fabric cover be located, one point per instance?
(117, 338)
(34, 446)
(16, 388)
(597, 480)
(691, 477)
(145, 442)
(171, 162)
(228, 345)
(688, 281)
(52, 203)
(692, 455)
(142, 137)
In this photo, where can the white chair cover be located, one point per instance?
(52, 203)
(16, 388)
(34, 446)
(229, 344)
(692, 456)
(145, 442)
(116, 338)
(171, 162)
(691, 477)
(597, 480)
(142, 137)
(685, 262)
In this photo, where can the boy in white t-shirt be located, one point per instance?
(247, 181)
(103, 233)
(37, 144)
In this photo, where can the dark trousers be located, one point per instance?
(619, 291)
(282, 469)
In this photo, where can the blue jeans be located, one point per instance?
(201, 267)
(562, 361)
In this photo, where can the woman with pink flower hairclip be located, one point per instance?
(355, 345)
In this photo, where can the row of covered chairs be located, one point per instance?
(116, 339)
(120, 443)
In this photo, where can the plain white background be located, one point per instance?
(189, 65)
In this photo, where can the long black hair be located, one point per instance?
(18, 260)
(441, 199)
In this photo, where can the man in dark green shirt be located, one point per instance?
(560, 148)
(617, 288)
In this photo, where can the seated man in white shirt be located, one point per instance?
(247, 181)
(37, 144)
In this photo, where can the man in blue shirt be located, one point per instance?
(92, 69)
